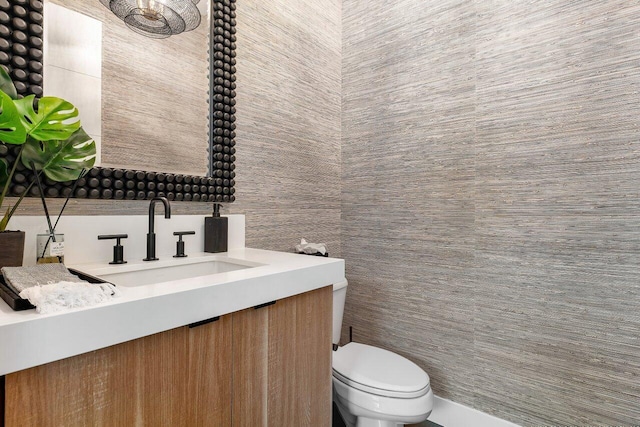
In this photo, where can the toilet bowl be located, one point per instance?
(373, 387)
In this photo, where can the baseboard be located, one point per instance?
(447, 414)
(452, 414)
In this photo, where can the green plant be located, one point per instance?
(49, 135)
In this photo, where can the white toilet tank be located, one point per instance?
(339, 297)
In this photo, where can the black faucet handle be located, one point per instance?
(118, 249)
(183, 233)
(112, 236)
(180, 244)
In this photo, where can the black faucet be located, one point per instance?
(151, 236)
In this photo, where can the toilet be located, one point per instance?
(373, 387)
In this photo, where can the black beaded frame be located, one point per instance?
(21, 44)
(127, 184)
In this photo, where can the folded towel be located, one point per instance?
(311, 248)
(59, 296)
(21, 278)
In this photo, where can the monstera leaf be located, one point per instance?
(52, 121)
(11, 129)
(6, 85)
(61, 160)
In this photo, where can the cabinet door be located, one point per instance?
(250, 346)
(209, 382)
(176, 378)
(282, 362)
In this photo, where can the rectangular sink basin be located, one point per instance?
(151, 274)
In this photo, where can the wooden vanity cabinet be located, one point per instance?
(282, 362)
(269, 366)
(177, 377)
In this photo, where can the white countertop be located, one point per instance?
(30, 339)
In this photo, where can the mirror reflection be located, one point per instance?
(144, 100)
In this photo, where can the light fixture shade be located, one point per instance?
(156, 18)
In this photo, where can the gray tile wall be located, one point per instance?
(491, 206)
(288, 141)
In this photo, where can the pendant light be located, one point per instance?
(156, 18)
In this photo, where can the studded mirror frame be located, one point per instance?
(21, 43)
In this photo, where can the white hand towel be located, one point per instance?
(62, 295)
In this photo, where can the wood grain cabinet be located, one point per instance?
(269, 366)
(178, 377)
(282, 362)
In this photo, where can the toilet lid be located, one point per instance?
(378, 369)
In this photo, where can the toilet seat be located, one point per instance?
(390, 411)
(379, 372)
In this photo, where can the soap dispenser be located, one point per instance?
(216, 231)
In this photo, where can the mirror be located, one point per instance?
(156, 102)
(153, 92)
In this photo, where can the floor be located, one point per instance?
(338, 422)
(337, 419)
(425, 424)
